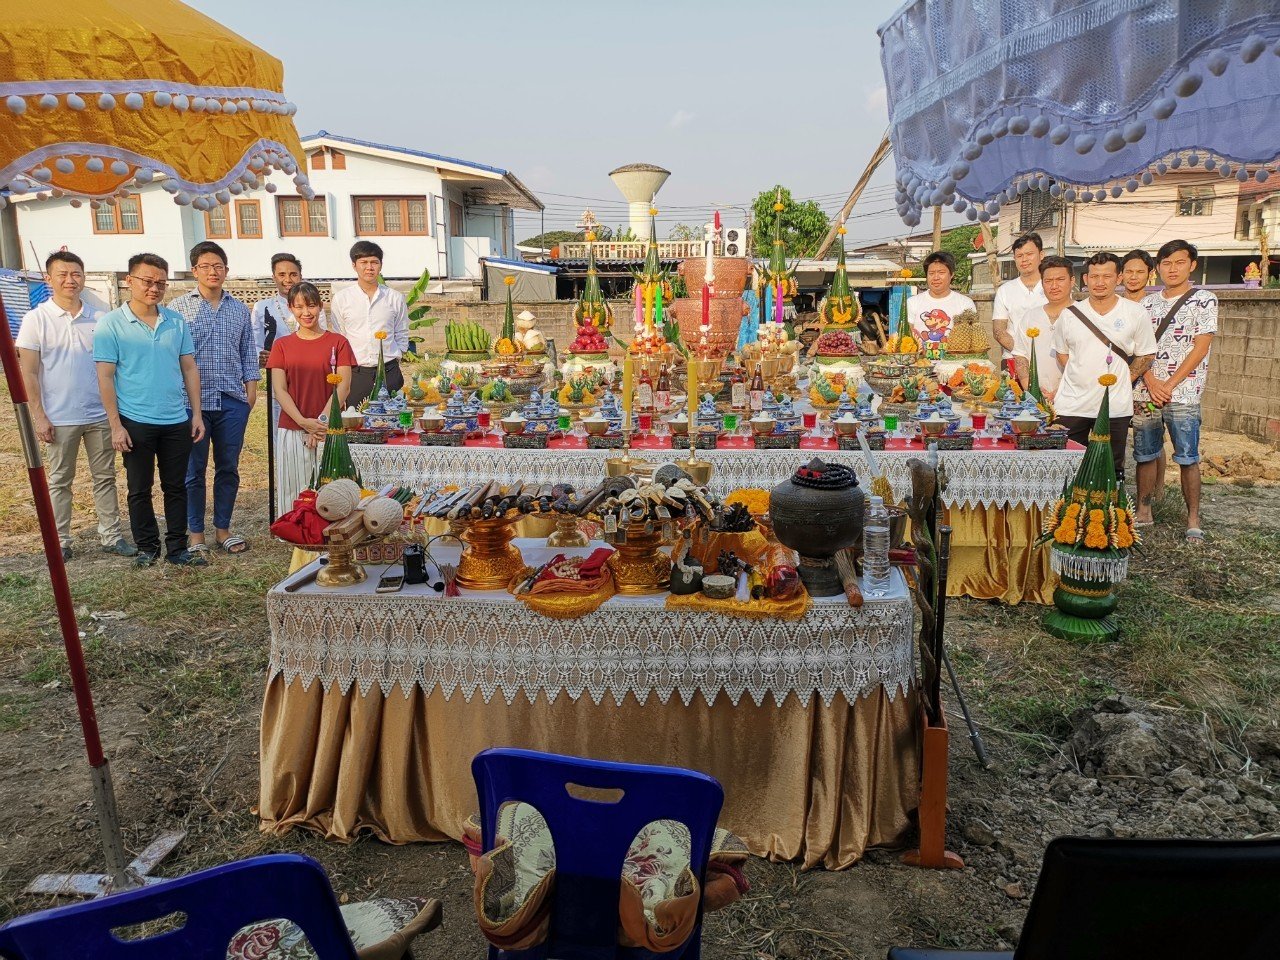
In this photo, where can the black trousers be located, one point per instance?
(167, 446)
(362, 381)
(1078, 429)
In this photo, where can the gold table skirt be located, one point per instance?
(992, 557)
(818, 784)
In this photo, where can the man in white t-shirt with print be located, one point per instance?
(1087, 356)
(1015, 297)
(1057, 279)
(1170, 391)
(932, 312)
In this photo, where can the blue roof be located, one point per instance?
(405, 150)
(520, 264)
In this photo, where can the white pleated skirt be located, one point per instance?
(295, 466)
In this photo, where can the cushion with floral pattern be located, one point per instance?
(379, 929)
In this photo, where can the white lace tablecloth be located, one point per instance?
(1000, 477)
(487, 642)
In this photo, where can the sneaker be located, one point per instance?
(67, 554)
(144, 559)
(187, 558)
(121, 548)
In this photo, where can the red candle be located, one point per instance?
(706, 305)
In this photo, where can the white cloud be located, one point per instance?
(877, 100)
(679, 119)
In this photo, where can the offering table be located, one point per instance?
(995, 497)
(376, 703)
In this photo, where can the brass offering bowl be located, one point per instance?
(847, 428)
(933, 428)
(639, 567)
(596, 428)
(489, 558)
(762, 427)
(512, 426)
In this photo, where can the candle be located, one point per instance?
(691, 401)
(333, 360)
(706, 307)
(626, 391)
(639, 307)
(778, 317)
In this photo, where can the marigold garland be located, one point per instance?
(1095, 536)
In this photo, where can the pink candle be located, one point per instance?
(639, 308)
(778, 317)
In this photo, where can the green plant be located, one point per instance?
(419, 313)
(803, 224)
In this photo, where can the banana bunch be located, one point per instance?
(466, 336)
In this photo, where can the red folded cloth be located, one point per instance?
(576, 574)
(303, 525)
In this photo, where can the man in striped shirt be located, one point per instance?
(227, 357)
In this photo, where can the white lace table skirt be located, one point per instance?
(986, 477)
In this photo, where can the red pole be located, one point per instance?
(104, 794)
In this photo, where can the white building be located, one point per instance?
(424, 210)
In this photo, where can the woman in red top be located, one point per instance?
(303, 361)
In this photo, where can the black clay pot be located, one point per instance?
(817, 513)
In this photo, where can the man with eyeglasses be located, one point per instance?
(222, 330)
(146, 361)
(55, 352)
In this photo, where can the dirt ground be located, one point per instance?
(1172, 730)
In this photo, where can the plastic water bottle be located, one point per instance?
(875, 551)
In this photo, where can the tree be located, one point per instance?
(958, 241)
(551, 238)
(682, 231)
(803, 224)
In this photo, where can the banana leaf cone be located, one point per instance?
(592, 306)
(335, 457)
(1095, 488)
(509, 318)
(379, 380)
(904, 317)
(840, 307)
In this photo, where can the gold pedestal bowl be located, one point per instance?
(489, 558)
(639, 567)
(341, 570)
(567, 533)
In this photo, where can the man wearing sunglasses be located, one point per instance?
(148, 379)
(227, 355)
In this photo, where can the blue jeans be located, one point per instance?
(1182, 420)
(224, 429)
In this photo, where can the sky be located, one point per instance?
(732, 98)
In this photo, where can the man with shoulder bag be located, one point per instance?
(1185, 321)
(1103, 344)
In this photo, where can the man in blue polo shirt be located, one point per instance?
(148, 378)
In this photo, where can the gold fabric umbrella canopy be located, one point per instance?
(97, 95)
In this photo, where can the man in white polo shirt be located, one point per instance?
(1103, 338)
(1015, 297)
(367, 308)
(55, 351)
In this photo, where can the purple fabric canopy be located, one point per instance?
(990, 98)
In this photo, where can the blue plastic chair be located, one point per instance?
(217, 903)
(592, 838)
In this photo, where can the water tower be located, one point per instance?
(639, 183)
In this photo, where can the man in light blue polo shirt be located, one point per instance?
(148, 378)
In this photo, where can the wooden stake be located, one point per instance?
(877, 158)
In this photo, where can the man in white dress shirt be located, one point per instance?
(364, 309)
(1015, 297)
(55, 352)
(1103, 338)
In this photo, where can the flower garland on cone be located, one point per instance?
(1091, 526)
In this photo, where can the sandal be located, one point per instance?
(200, 547)
(234, 544)
(1194, 536)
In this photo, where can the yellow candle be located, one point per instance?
(692, 400)
(627, 388)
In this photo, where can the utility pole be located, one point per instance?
(1062, 228)
(937, 229)
(989, 245)
(877, 158)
